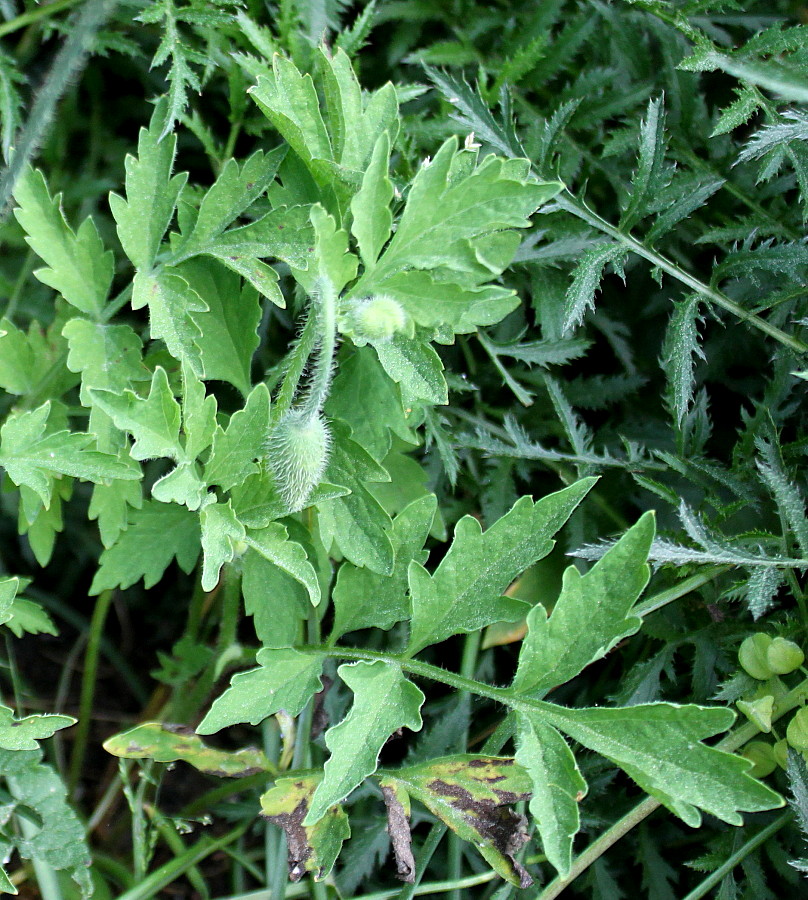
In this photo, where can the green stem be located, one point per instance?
(325, 312)
(568, 202)
(41, 12)
(741, 853)
(151, 885)
(663, 598)
(295, 366)
(68, 63)
(175, 844)
(46, 878)
(468, 666)
(82, 733)
(729, 744)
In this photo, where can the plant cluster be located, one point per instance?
(313, 370)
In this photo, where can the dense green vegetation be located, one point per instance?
(402, 449)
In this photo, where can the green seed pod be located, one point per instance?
(759, 712)
(781, 753)
(752, 656)
(297, 454)
(375, 319)
(784, 656)
(797, 731)
(762, 756)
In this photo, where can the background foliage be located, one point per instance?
(628, 304)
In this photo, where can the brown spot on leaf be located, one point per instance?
(178, 729)
(319, 719)
(398, 827)
(496, 823)
(296, 840)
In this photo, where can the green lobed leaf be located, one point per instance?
(198, 413)
(153, 421)
(365, 599)
(274, 545)
(355, 120)
(157, 534)
(151, 194)
(284, 680)
(110, 506)
(592, 614)
(278, 603)
(465, 592)
(444, 210)
(384, 701)
(172, 302)
(109, 357)
(220, 531)
(227, 337)
(659, 746)
(415, 367)
(283, 234)
(235, 449)
(169, 743)
(366, 399)
(557, 786)
(182, 485)
(356, 522)
(372, 219)
(311, 848)
(431, 301)
(472, 795)
(34, 458)
(59, 841)
(20, 366)
(236, 188)
(78, 266)
(289, 100)
(23, 734)
(331, 258)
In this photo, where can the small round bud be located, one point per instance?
(297, 454)
(797, 731)
(759, 712)
(784, 656)
(763, 758)
(752, 656)
(376, 319)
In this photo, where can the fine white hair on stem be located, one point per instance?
(299, 443)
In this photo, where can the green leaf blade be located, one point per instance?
(465, 592)
(659, 746)
(285, 679)
(592, 614)
(384, 700)
(558, 786)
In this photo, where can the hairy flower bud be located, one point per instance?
(297, 454)
(375, 319)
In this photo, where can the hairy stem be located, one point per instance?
(325, 312)
(568, 202)
(68, 63)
